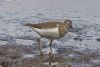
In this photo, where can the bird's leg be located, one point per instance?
(50, 46)
(50, 53)
(40, 49)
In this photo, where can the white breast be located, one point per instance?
(49, 33)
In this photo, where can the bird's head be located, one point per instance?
(69, 24)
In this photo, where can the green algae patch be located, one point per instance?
(98, 39)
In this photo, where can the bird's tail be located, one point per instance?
(29, 24)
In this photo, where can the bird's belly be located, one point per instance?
(51, 33)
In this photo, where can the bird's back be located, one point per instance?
(49, 24)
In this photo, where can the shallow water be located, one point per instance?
(14, 13)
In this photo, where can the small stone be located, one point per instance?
(0, 65)
(98, 39)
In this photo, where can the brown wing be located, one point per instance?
(44, 25)
(32, 25)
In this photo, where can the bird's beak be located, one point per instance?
(72, 28)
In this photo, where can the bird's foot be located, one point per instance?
(51, 55)
(50, 58)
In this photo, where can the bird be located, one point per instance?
(51, 30)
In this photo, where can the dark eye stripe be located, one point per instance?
(69, 22)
